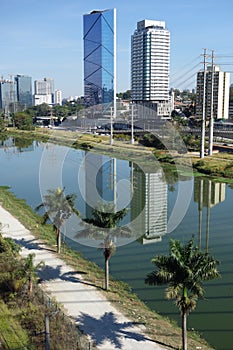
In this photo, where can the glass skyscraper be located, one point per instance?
(7, 94)
(24, 90)
(99, 28)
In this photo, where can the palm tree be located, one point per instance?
(104, 217)
(28, 270)
(58, 208)
(183, 271)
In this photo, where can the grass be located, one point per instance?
(95, 143)
(218, 165)
(12, 335)
(22, 323)
(157, 327)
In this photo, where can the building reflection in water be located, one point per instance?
(100, 181)
(207, 194)
(149, 204)
(18, 144)
(144, 193)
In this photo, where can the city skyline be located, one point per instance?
(46, 38)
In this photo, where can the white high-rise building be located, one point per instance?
(44, 87)
(150, 63)
(44, 91)
(58, 97)
(221, 90)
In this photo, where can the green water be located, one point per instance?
(208, 217)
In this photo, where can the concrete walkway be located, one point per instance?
(93, 313)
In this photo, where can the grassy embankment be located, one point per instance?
(12, 335)
(22, 321)
(157, 327)
(219, 166)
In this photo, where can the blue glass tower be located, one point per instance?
(99, 29)
(24, 90)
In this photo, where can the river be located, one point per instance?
(152, 199)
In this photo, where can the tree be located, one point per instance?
(106, 218)
(9, 264)
(58, 208)
(2, 124)
(124, 95)
(42, 110)
(23, 121)
(16, 272)
(183, 271)
(28, 271)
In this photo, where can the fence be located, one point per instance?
(55, 310)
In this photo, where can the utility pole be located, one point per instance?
(51, 116)
(211, 122)
(111, 128)
(132, 134)
(202, 149)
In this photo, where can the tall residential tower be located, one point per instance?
(150, 64)
(99, 35)
(218, 83)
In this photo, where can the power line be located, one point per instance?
(176, 81)
(187, 79)
(225, 64)
(186, 65)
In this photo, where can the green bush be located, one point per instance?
(150, 140)
(86, 145)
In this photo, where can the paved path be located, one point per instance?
(93, 313)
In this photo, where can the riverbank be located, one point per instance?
(218, 167)
(157, 328)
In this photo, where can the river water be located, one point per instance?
(152, 198)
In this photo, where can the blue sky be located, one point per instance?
(43, 38)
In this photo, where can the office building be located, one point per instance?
(24, 90)
(44, 87)
(7, 95)
(219, 83)
(44, 91)
(58, 97)
(231, 102)
(150, 65)
(40, 99)
(99, 36)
